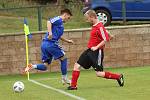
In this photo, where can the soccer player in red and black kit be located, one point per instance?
(94, 55)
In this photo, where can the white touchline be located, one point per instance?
(54, 78)
(58, 90)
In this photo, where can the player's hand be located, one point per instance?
(70, 41)
(94, 48)
(111, 37)
(49, 37)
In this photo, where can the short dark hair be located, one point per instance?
(66, 11)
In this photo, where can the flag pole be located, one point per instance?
(27, 56)
(27, 33)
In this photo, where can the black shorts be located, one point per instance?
(92, 58)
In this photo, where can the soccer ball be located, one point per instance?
(18, 86)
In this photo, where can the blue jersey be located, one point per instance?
(50, 48)
(57, 29)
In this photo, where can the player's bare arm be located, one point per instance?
(49, 28)
(101, 44)
(110, 36)
(67, 40)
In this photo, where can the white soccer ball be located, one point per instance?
(18, 86)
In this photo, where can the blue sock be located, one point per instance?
(41, 67)
(64, 66)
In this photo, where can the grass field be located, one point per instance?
(12, 20)
(137, 86)
(15, 24)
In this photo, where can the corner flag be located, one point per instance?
(26, 29)
(27, 35)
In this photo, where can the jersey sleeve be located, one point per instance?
(104, 33)
(55, 20)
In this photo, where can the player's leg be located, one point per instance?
(85, 63)
(98, 67)
(46, 59)
(59, 53)
(75, 76)
(41, 67)
(110, 75)
(63, 61)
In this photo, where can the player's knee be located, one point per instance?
(76, 67)
(46, 64)
(63, 58)
(100, 73)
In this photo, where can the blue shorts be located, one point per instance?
(51, 50)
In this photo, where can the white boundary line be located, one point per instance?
(40, 79)
(57, 90)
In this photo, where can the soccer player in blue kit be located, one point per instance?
(50, 48)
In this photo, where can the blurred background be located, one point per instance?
(12, 13)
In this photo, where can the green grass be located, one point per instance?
(15, 24)
(90, 87)
(11, 21)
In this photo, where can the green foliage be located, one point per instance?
(15, 3)
(12, 19)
